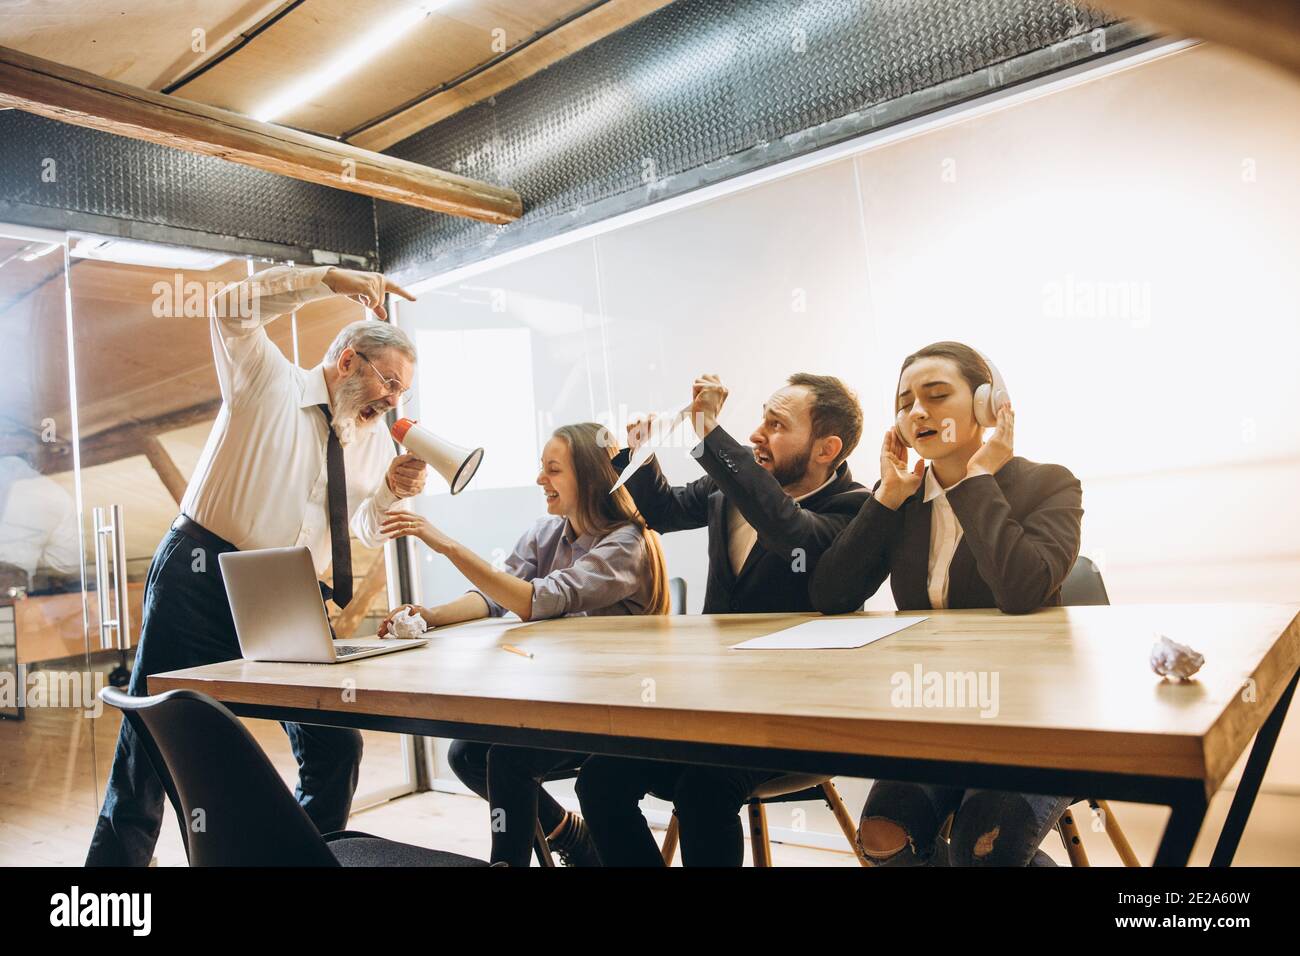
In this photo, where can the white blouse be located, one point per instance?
(945, 535)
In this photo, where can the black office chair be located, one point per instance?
(1083, 587)
(541, 848)
(232, 806)
(677, 595)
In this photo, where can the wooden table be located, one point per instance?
(1078, 710)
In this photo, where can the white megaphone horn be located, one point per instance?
(454, 463)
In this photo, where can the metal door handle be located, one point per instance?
(108, 524)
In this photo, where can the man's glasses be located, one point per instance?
(393, 386)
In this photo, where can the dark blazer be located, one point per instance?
(775, 575)
(1020, 537)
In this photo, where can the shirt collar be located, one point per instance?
(572, 536)
(314, 389)
(834, 474)
(932, 487)
(935, 490)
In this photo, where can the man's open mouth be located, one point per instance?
(370, 413)
(762, 457)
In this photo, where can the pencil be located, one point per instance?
(516, 650)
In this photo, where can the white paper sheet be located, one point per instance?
(833, 632)
(661, 430)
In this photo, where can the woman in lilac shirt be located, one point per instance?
(592, 555)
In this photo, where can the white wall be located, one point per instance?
(1126, 250)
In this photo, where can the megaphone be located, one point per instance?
(457, 465)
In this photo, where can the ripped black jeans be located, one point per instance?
(989, 827)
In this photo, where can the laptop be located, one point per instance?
(280, 614)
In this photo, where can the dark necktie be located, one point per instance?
(337, 497)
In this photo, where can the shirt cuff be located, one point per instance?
(281, 279)
(494, 609)
(384, 497)
(313, 280)
(546, 602)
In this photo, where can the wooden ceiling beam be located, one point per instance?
(164, 466)
(84, 99)
(1266, 29)
(508, 69)
(126, 441)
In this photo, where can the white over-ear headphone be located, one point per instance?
(988, 400)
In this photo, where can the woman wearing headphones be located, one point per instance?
(593, 555)
(978, 527)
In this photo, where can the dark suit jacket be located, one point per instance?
(775, 575)
(1020, 537)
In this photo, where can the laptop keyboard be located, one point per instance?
(347, 650)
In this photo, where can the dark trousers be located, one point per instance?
(187, 622)
(989, 827)
(707, 801)
(509, 779)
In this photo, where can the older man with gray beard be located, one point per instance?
(294, 458)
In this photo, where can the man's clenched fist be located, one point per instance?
(406, 476)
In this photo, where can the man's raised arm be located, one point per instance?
(243, 353)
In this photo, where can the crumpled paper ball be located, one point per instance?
(406, 624)
(1176, 661)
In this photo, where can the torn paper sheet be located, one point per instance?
(406, 624)
(1173, 660)
(661, 429)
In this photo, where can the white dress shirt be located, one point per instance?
(261, 480)
(945, 535)
(39, 526)
(741, 535)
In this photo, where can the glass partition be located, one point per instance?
(48, 679)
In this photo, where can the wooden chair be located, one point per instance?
(1069, 833)
(1083, 587)
(790, 788)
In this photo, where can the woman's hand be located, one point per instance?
(897, 484)
(997, 451)
(400, 524)
(428, 614)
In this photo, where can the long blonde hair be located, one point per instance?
(601, 512)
